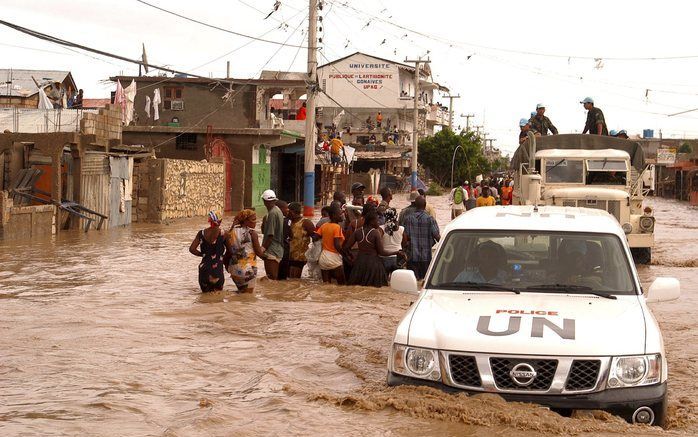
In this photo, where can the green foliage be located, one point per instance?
(435, 153)
(685, 148)
(435, 189)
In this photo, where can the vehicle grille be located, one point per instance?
(545, 370)
(464, 370)
(583, 375)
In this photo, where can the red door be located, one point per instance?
(219, 149)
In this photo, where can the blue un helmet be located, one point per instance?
(613, 133)
(523, 122)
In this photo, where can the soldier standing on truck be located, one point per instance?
(596, 124)
(541, 123)
(525, 126)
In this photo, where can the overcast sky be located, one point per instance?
(501, 82)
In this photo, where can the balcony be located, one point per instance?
(437, 115)
(297, 126)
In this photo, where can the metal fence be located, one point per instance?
(41, 120)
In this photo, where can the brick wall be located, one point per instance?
(106, 124)
(165, 189)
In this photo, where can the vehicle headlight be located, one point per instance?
(647, 223)
(416, 362)
(635, 371)
(627, 228)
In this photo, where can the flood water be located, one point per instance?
(107, 334)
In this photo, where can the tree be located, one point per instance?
(435, 153)
(685, 148)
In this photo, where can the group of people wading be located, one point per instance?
(360, 243)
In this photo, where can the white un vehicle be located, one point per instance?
(537, 304)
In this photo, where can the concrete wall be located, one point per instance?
(167, 149)
(201, 100)
(24, 221)
(165, 189)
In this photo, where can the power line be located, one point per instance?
(66, 43)
(232, 96)
(460, 44)
(216, 27)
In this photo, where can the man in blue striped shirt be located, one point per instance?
(422, 233)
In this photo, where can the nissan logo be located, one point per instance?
(523, 374)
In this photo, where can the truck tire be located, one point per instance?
(642, 255)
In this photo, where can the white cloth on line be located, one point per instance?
(147, 106)
(130, 93)
(156, 104)
(44, 101)
(120, 99)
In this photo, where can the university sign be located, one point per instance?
(366, 81)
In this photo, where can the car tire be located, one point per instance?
(642, 255)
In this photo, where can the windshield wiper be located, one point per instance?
(581, 289)
(561, 161)
(457, 285)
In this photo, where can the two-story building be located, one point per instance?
(362, 85)
(200, 118)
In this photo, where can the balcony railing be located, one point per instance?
(290, 125)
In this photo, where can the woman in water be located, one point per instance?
(210, 245)
(301, 230)
(368, 267)
(394, 239)
(243, 242)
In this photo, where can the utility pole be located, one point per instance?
(467, 121)
(450, 109)
(415, 127)
(477, 130)
(310, 137)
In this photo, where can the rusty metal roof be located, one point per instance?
(19, 83)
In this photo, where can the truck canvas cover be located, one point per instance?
(581, 141)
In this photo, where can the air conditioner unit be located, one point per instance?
(177, 105)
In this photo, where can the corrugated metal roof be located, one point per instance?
(19, 83)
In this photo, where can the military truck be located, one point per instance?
(588, 171)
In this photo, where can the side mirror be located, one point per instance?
(404, 281)
(663, 290)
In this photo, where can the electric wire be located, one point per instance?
(453, 43)
(215, 27)
(232, 96)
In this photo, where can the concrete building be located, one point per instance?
(18, 88)
(363, 85)
(226, 119)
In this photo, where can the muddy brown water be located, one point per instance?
(107, 334)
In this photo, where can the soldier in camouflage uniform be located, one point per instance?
(596, 123)
(540, 123)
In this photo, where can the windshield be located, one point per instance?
(564, 171)
(605, 172)
(533, 261)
